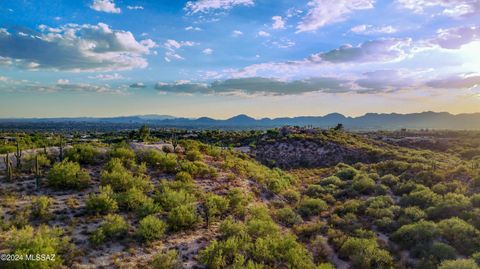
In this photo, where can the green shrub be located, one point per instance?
(311, 207)
(68, 175)
(459, 264)
(475, 200)
(125, 154)
(238, 201)
(460, 234)
(104, 202)
(166, 260)
(389, 180)
(151, 228)
(411, 214)
(121, 179)
(449, 205)
(346, 172)
(41, 207)
(292, 196)
(287, 216)
(309, 229)
(159, 160)
(169, 199)
(194, 155)
(215, 205)
(30, 241)
(182, 217)
(29, 162)
(363, 184)
(254, 245)
(418, 233)
(421, 196)
(82, 153)
(366, 254)
(183, 177)
(113, 227)
(435, 254)
(135, 200)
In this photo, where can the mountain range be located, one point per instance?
(369, 121)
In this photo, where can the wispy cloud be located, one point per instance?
(278, 22)
(193, 7)
(171, 47)
(324, 12)
(367, 29)
(457, 8)
(135, 7)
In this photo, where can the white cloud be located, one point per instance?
(192, 28)
(62, 85)
(4, 32)
(63, 81)
(207, 5)
(114, 76)
(454, 38)
(263, 33)
(451, 8)
(207, 51)
(256, 86)
(105, 6)
(278, 22)
(324, 12)
(75, 47)
(171, 47)
(283, 43)
(370, 29)
(237, 33)
(135, 7)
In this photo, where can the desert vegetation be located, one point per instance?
(159, 199)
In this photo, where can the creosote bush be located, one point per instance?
(82, 153)
(68, 175)
(41, 207)
(31, 241)
(182, 217)
(112, 227)
(151, 228)
(103, 202)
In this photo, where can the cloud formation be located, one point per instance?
(324, 12)
(367, 29)
(451, 8)
(278, 22)
(105, 6)
(75, 47)
(207, 51)
(454, 38)
(171, 47)
(461, 81)
(237, 33)
(381, 50)
(256, 86)
(193, 7)
(135, 7)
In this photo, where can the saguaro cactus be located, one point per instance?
(61, 148)
(8, 167)
(18, 156)
(37, 173)
(174, 142)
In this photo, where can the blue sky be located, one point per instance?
(220, 58)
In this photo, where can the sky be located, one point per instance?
(220, 58)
